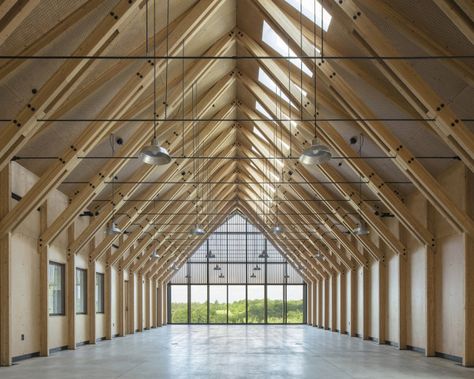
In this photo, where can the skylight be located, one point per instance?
(271, 85)
(262, 110)
(272, 39)
(308, 11)
(258, 133)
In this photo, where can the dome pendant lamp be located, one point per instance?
(155, 154)
(317, 153)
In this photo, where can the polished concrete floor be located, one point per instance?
(181, 351)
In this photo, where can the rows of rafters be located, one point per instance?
(319, 207)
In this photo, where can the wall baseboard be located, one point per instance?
(417, 349)
(82, 343)
(453, 358)
(56, 349)
(25, 356)
(391, 343)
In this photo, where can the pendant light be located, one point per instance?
(221, 275)
(155, 154)
(362, 229)
(278, 229)
(257, 268)
(253, 275)
(197, 230)
(113, 227)
(263, 254)
(210, 255)
(217, 268)
(317, 153)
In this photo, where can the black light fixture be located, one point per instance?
(253, 275)
(217, 268)
(257, 268)
(263, 254)
(221, 275)
(155, 154)
(210, 255)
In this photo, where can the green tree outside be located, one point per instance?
(256, 314)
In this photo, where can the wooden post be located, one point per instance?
(382, 273)
(468, 356)
(43, 251)
(131, 304)
(147, 303)
(108, 302)
(430, 312)
(154, 304)
(353, 303)
(165, 304)
(140, 302)
(326, 303)
(71, 293)
(402, 292)
(320, 303)
(91, 309)
(5, 271)
(342, 303)
(159, 321)
(315, 302)
(334, 302)
(122, 328)
(365, 302)
(309, 305)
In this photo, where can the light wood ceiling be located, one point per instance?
(319, 206)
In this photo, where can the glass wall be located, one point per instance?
(256, 304)
(294, 304)
(275, 309)
(198, 304)
(236, 276)
(237, 313)
(218, 304)
(179, 304)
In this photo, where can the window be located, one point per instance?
(81, 291)
(308, 8)
(56, 290)
(272, 39)
(179, 304)
(99, 292)
(262, 110)
(271, 85)
(239, 284)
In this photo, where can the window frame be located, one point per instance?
(84, 291)
(101, 294)
(62, 266)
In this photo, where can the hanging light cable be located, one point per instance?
(155, 154)
(361, 229)
(113, 228)
(317, 153)
(197, 230)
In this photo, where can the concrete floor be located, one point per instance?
(181, 351)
